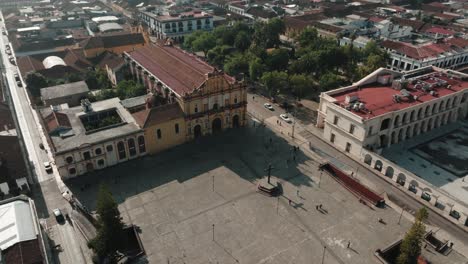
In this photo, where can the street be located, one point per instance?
(32, 136)
(326, 151)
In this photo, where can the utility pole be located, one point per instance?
(399, 219)
(320, 179)
(213, 183)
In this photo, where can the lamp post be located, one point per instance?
(323, 255)
(213, 231)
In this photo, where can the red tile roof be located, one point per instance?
(378, 98)
(25, 252)
(427, 50)
(439, 30)
(180, 71)
(56, 120)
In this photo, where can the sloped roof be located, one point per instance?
(428, 50)
(113, 40)
(157, 115)
(55, 120)
(53, 61)
(110, 59)
(181, 71)
(16, 224)
(64, 90)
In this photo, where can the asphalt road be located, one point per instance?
(402, 199)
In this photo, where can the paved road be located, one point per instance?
(256, 108)
(30, 131)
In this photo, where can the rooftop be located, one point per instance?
(178, 16)
(387, 94)
(68, 132)
(427, 50)
(105, 27)
(63, 90)
(113, 40)
(180, 71)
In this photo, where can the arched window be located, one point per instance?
(141, 144)
(131, 147)
(69, 159)
(98, 151)
(176, 127)
(121, 150)
(158, 133)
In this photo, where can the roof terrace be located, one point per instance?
(388, 95)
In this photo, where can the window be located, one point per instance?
(348, 147)
(370, 131)
(131, 147)
(121, 150)
(176, 128)
(109, 148)
(235, 100)
(98, 151)
(332, 138)
(72, 171)
(215, 106)
(385, 124)
(335, 120)
(100, 162)
(196, 109)
(158, 133)
(351, 128)
(141, 144)
(69, 159)
(86, 155)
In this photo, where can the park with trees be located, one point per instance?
(310, 65)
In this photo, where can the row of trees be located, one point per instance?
(313, 65)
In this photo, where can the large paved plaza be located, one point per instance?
(198, 203)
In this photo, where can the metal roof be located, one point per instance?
(64, 90)
(16, 224)
(109, 27)
(52, 61)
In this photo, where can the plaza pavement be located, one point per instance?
(183, 198)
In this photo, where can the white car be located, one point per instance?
(48, 166)
(58, 215)
(268, 106)
(286, 118)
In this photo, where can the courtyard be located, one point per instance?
(198, 203)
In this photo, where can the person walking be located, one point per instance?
(349, 243)
(320, 206)
(297, 192)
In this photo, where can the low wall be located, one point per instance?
(430, 195)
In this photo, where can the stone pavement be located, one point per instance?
(197, 203)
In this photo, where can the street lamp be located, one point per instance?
(323, 255)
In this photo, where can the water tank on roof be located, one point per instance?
(53, 61)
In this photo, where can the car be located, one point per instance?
(48, 166)
(286, 118)
(41, 145)
(268, 106)
(19, 83)
(58, 215)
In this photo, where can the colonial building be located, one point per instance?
(176, 26)
(118, 42)
(187, 97)
(387, 108)
(447, 53)
(92, 136)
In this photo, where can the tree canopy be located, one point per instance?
(35, 81)
(410, 248)
(110, 227)
(129, 89)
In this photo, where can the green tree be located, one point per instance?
(224, 35)
(129, 89)
(236, 64)
(97, 79)
(242, 41)
(110, 227)
(275, 81)
(204, 42)
(300, 84)
(218, 54)
(278, 60)
(188, 41)
(35, 81)
(329, 81)
(410, 248)
(308, 36)
(256, 69)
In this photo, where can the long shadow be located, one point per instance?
(245, 151)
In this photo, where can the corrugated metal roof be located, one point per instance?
(16, 224)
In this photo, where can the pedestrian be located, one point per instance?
(289, 200)
(352, 173)
(320, 206)
(349, 243)
(316, 207)
(297, 192)
(277, 122)
(253, 98)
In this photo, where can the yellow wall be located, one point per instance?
(168, 136)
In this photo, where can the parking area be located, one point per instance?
(198, 203)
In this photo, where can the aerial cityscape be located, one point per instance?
(234, 131)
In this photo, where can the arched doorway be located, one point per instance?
(216, 125)
(197, 131)
(368, 159)
(389, 172)
(378, 165)
(89, 167)
(235, 121)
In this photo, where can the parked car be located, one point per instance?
(268, 106)
(58, 215)
(286, 118)
(19, 83)
(41, 146)
(48, 166)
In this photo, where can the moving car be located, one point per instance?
(286, 118)
(48, 167)
(268, 106)
(58, 215)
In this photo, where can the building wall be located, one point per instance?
(169, 136)
(102, 155)
(401, 62)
